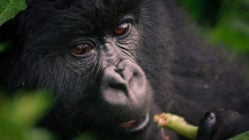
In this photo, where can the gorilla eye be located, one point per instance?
(122, 29)
(82, 49)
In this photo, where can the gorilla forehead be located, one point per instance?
(90, 8)
(104, 13)
(66, 15)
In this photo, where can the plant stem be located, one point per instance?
(176, 124)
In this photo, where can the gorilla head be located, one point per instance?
(87, 53)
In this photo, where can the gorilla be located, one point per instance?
(113, 64)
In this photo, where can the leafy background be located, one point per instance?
(224, 22)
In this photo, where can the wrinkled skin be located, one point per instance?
(113, 64)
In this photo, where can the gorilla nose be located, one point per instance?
(124, 84)
(114, 87)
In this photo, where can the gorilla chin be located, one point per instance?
(130, 116)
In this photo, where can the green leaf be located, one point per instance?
(9, 8)
(243, 136)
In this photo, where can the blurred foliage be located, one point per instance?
(18, 116)
(203, 11)
(4, 46)
(226, 22)
(244, 136)
(233, 27)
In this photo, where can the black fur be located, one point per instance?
(185, 75)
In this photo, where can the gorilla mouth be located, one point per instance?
(135, 125)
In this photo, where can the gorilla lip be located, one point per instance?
(129, 124)
(135, 125)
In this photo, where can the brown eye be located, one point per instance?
(122, 29)
(82, 49)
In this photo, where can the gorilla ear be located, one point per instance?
(7, 30)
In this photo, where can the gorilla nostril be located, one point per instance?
(135, 74)
(119, 71)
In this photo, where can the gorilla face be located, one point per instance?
(85, 51)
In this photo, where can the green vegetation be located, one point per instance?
(243, 136)
(226, 22)
(9, 8)
(19, 115)
(232, 28)
(176, 124)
